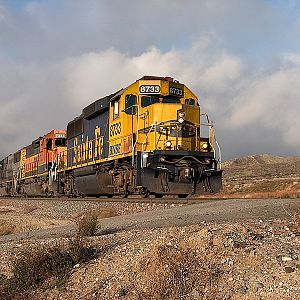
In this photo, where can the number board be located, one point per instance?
(175, 91)
(149, 89)
(60, 136)
(115, 129)
(115, 149)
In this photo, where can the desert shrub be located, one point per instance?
(33, 268)
(173, 273)
(87, 224)
(46, 267)
(77, 250)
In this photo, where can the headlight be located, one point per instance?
(168, 144)
(181, 114)
(205, 145)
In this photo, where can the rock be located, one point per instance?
(258, 285)
(123, 292)
(289, 269)
(243, 290)
(286, 258)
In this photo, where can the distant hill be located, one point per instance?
(262, 173)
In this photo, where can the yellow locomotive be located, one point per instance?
(144, 139)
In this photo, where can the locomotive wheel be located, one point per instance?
(124, 193)
(182, 196)
(158, 195)
(145, 195)
(50, 194)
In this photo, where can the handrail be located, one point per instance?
(219, 152)
(137, 132)
(210, 125)
(150, 130)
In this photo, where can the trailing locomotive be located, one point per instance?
(144, 139)
(32, 171)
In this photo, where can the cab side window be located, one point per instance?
(116, 108)
(49, 144)
(130, 104)
(190, 101)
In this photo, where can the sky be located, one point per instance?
(241, 57)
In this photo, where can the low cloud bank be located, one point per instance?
(249, 106)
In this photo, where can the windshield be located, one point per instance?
(60, 142)
(148, 100)
(170, 99)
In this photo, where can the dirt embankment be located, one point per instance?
(249, 260)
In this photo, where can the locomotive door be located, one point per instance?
(131, 119)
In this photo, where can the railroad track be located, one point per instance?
(168, 199)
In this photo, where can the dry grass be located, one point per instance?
(179, 272)
(106, 212)
(274, 195)
(256, 195)
(43, 267)
(6, 227)
(29, 227)
(28, 209)
(101, 212)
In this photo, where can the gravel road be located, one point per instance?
(212, 211)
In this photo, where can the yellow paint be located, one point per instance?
(98, 143)
(23, 162)
(34, 176)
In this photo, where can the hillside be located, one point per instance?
(263, 173)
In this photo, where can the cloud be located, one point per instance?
(56, 57)
(271, 101)
(35, 100)
(2, 13)
(56, 29)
